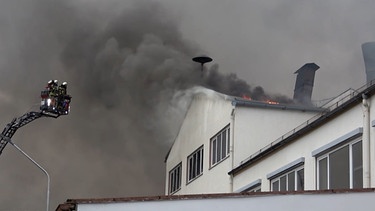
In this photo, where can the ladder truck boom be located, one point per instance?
(55, 102)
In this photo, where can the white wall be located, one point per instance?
(207, 115)
(308, 202)
(302, 147)
(254, 128)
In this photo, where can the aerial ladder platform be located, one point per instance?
(55, 102)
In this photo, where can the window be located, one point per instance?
(175, 179)
(290, 181)
(341, 167)
(219, 146)
(255, 189)
(255, 186)
(195, 164)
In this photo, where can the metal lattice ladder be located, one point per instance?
(15, 124)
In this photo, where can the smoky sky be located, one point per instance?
(129, 70)
(266, 42)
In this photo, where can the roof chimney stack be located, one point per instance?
(304, 83)
(368, 50)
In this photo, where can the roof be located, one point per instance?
(337, 107)
(241, 102)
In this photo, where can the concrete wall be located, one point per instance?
(308, 202)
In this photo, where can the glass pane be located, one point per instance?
(218, 148)
(291, 181)
(275, 186)
(214, 151)
(171, 182)
(197, 163)
(178, 178)
(301, 179)
(195, 170)
(357, 165)
(191, 170)
(339, 169)
(323, 174)
(224, 144)
(201, 161)
(228, 138)
(283, 183)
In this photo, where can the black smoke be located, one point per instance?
(127, 66)
(230, 84)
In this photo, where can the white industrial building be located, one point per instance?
(231, 149)
(228, 144)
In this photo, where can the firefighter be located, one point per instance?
(62, 88)
(62, 94)
(53, 93)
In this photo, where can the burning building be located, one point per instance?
(231, 145)
(236, 148)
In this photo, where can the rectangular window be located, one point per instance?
(255, 186)
(175, 179)
(292, 180)
(219, 146)
(255, 189)
(341, 168)
(195, 164)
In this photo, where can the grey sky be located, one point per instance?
(128, 64)
(264, 42)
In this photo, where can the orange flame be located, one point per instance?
(271, 102)
(247, 97)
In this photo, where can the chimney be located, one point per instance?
(368, 50)
(304, 83)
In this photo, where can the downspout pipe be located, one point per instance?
(366, 142)
(233, 114)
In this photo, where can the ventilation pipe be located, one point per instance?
(305, 83)
(368, 50)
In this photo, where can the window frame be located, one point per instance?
(286, 175)
(327, 155)
(216, 148)
(171, 179)
(293, 166)
(199, 168)
(255, 186)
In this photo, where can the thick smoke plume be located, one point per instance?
(127, 67)
(230, 84)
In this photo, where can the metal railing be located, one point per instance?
(328, 107)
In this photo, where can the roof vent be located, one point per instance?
(368, 50)
(304, 83)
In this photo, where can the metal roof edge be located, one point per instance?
(259, 104)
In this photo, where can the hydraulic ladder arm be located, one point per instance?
(16, 123)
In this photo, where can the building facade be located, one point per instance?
(228, 144)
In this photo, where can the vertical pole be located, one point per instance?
(39, 166)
